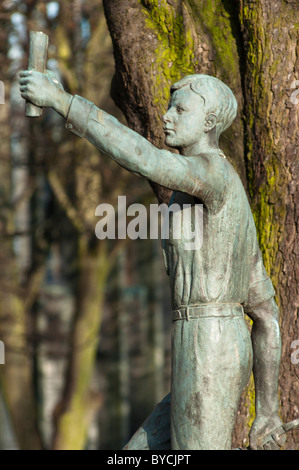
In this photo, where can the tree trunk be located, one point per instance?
(156, 44)
(253, 47)
(271, 48)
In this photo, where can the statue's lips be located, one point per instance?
(167, 131)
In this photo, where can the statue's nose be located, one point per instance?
(166, 118)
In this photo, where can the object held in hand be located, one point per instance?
(38, 51)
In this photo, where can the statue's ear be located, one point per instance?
(211, 121)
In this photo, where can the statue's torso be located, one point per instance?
(218, 269)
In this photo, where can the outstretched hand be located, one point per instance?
(267, 434)
(39, 88)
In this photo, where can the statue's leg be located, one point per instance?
(154, 434)
(212, 361)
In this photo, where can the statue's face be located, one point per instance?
(184, 122)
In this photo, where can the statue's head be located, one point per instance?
(203, 103)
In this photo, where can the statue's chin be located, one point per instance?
(170, 141)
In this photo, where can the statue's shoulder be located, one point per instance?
(230, 171)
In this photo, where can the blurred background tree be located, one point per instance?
(86, 322)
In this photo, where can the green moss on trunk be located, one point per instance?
(174, 57)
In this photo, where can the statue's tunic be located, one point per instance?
(211, 285)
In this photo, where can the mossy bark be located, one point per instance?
(253, 47)
(271, 44)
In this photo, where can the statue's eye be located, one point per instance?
(179, 109)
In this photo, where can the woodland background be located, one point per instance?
(86, 323)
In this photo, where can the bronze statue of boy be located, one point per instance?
(211, 286)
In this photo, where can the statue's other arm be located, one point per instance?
(266, 345)
(266, 342)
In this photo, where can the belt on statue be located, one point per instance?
(189, 312)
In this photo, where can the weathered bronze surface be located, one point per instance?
(212, 286)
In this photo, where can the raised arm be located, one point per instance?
(192, 175)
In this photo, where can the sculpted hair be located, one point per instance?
(218, 98)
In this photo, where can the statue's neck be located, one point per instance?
(207, 143)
